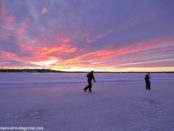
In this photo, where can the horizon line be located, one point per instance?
(75, 71)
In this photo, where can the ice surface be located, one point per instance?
(119, 102)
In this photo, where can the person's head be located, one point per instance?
(92, 71)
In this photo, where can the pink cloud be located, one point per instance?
(10, 56)
(101, 59)
(21, 30)
(44, 10)
(43, 51)
(110, 57)
(8, 20)
(99, 36)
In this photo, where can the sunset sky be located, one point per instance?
(83, 35)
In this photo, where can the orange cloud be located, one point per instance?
(109, 58)
(43, 53)
(63, 48)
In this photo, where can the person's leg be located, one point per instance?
(149, 85)
(87, 86)
(146, 86)
(90, 87)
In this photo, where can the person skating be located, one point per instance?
(90, 77)
(147, 80)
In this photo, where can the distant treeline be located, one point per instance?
(58, 71)
(28, 70)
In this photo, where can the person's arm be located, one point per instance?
(149, 77)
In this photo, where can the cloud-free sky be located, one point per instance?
(80, 35)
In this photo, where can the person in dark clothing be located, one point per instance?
(90, 77)
(147, 80)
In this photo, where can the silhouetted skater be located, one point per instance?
(90, 77)
(147, 80)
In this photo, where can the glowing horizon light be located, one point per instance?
(44, 63)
